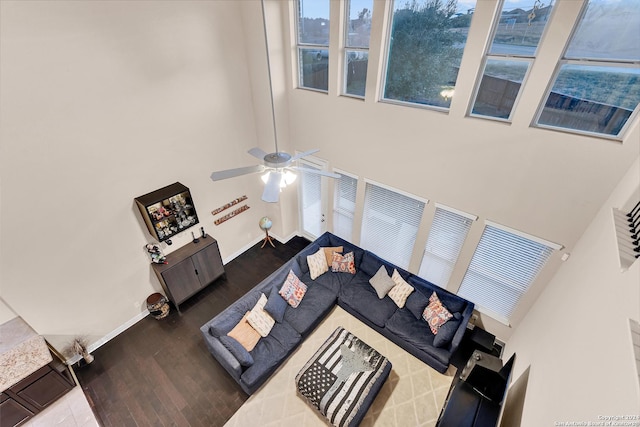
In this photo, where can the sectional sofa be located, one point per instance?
(354, 293)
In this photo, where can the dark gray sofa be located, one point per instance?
(354, 294)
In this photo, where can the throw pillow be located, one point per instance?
(447, 331)
(401, 290)
(244, 333)
(317, 264)
(328, 252)
(416, 303)
(260, 319)
(275, 305)
(237, 350)
(381, 282)
(435, 314)
(293, 290)
(343, 263)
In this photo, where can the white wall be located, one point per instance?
(576, 337)
(101, 102)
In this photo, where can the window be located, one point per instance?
(344, 205)
(426, 42)
(390, 223)
(504, 265)
(517, 33)
(597, 84)
(313, 44)
(448, 231)
(356, 52)
(310, 190)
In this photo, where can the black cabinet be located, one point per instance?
(167, 211)
(190, 269)
(32, 395)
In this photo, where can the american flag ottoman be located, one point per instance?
(342, 378)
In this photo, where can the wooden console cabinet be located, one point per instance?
(190, 269)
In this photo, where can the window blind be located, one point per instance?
(390, 223)
(502, 268)
(446, 237)
(344, 206)
(311, 200)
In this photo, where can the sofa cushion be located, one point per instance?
(293, 290)
(381, 282)
(332, 281)
(370, 263)
(401, 290)
(447, 331)
(360, 296)
(276, 305)
(435, 313)
(416, 303)
(270, 352)
(238, 351)
(318, 300)
(222, 324)
(317, 263)
(244, 333)
(343, 263)
(415, 332)
(328, 252)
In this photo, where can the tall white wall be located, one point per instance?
(576, 337)
(101, 102)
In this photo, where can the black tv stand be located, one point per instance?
(477, 394)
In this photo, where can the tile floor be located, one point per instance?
(412, 396)
(71, 410)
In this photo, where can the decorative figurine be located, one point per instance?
(154, 251)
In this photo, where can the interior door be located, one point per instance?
(312, 198)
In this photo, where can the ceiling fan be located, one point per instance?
(279, 167)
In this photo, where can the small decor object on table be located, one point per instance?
(80, 348)
(155, 253)
(158, 305)
(266, 224)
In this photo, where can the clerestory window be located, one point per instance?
(313, 44)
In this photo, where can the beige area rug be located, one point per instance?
(413, 394)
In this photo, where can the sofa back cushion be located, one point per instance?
(452, 302)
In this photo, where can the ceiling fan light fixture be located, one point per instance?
(287, 177)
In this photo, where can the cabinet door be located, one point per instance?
(44, 391)
(11, 412)
(208, 264)
(182, 281)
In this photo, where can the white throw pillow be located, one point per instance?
(259, 319)
(317, 264)
(401, 291)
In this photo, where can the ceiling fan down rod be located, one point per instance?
(266, 44)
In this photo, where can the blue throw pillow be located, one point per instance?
(416, 303)
(239, 352)
(447, 331)
(276, 305)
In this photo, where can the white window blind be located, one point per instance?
(390, 223)
(448, 231)
(344, 206)
(503, 267)
(311, 200)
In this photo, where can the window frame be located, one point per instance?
(300, 45)
(449, 210)
(400, 263)
(563, 60)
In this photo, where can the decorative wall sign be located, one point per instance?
(231, 215)
(228, 205)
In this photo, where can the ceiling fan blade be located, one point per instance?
(232, 173)
(271, 191)
(258, 153)
(317, 172)
(305, 154)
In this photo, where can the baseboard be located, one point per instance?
(111, 335)
(249, 245)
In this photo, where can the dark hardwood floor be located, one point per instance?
(160, 373)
